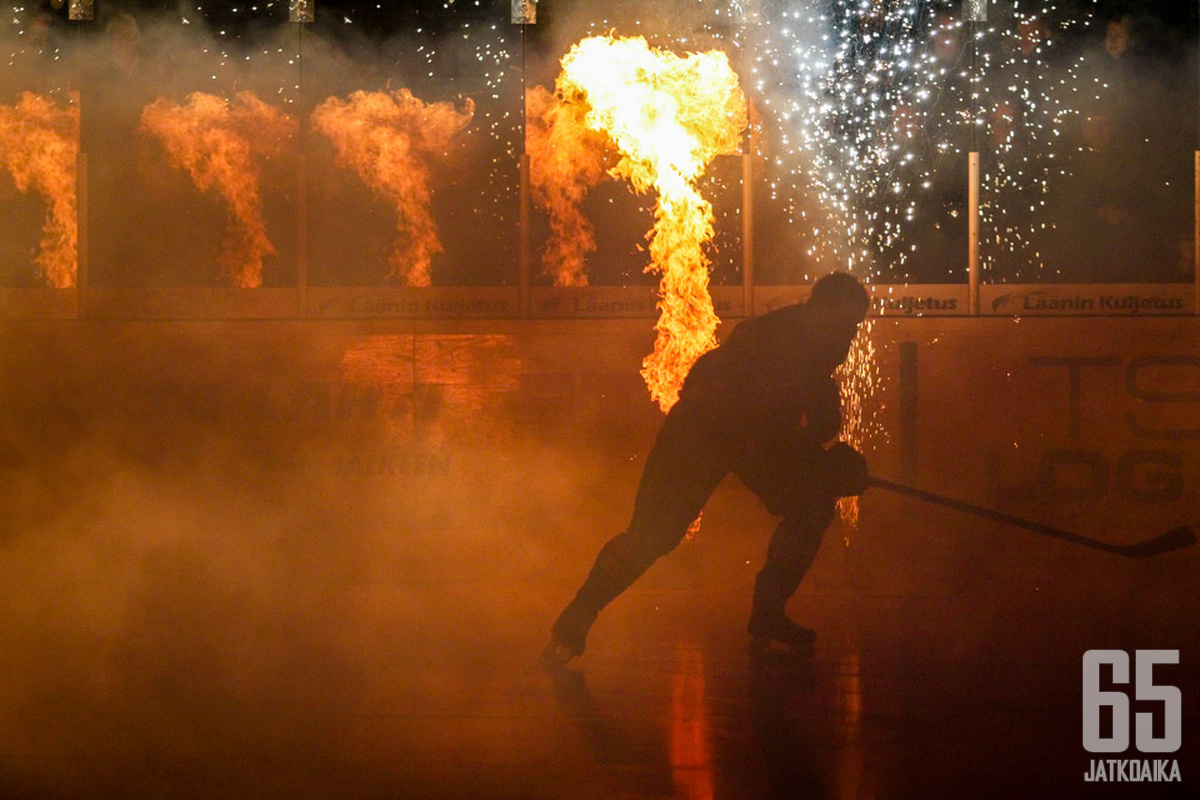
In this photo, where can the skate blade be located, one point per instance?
(764, 647)
(556, 654)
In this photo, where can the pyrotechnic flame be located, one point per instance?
(668, 116)
(215, 142)
(388, 138)
(566, 158)
(39, 146)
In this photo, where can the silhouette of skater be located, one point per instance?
(762, 406)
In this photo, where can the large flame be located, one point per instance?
(388, 139)
(215, 142)
(566, 158)
(668, 117)
(39, 145)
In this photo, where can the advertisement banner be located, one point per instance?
(1139, 299)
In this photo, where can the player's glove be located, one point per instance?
(845, 471)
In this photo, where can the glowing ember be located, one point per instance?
(388, 139)
(215, 142)
(857, 378)
(566, 158)
(668, 116)
(39, 146)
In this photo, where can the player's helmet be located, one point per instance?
(840, 290)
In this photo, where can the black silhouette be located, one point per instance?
(761, 406)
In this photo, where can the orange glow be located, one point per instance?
(691, 727)
(39, 146)
(851, 775)
(215, 142)
(566, 158)
(668, 116)
(388, 138)
(438, 389)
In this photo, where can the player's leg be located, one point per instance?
(791, 552)
(785, 481)
(620, 562)
(682, 470)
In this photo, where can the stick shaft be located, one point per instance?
(998, 516)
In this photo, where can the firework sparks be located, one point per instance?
(566, 158)
(850, 130)
(857, 92)
(39, 146)
(215, 142)
(668, 116)
(1025, 113)
(388, 138)
(880, 102)
(858, 377)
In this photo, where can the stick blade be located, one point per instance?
(1176, 539)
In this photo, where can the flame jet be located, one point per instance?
(668, 116)
(387, 138)
(566, 158)
(215, 142)
(39, 146)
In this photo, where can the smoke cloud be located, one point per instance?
(227, 545)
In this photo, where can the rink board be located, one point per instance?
(1086, 421)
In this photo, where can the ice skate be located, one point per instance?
(778, 634)
(556, 654)
(568, 636)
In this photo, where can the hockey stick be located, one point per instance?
(1164, 543)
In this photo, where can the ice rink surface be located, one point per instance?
(287, 559)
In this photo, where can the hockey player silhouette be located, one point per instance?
(763, 406)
